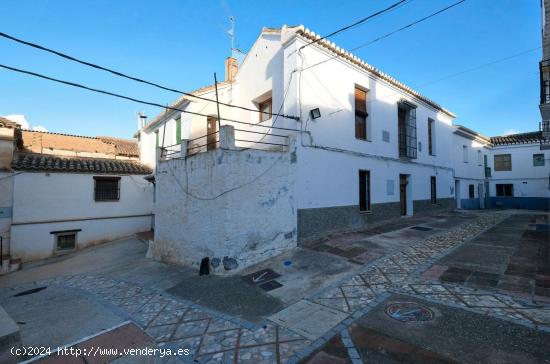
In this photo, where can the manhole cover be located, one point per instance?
(29, 291)
(409, 311)
(421, 228)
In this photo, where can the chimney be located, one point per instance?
(231, 68)
(141, 121)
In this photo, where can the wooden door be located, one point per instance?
(403, 193)
(211, 133)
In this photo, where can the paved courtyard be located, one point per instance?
(382, 295)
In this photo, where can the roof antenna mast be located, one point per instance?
(231, 34)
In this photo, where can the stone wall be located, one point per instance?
(234, 207)
(426, 206)
(318, 222)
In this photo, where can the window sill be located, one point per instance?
(363, 140)
(365, 212)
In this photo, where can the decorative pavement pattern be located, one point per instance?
(401, 273)
(214, 337)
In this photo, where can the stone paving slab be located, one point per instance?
(308, 319)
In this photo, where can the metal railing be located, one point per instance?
(544, 127)
(283, 144)
(544, 72)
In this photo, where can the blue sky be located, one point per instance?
(182, 43)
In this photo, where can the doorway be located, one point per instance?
(211, 133)
(403, 181)
(457, 193)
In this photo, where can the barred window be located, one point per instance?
(505, 190)
(107, 188)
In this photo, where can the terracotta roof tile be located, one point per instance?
(7, 123)
(52, 163)
(522, 138)
(38, 141)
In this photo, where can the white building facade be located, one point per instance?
(347, 147)
(62, 193)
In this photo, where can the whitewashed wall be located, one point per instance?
(6, 208)
(44, 202)
(528, 180)
(329, 178)
(229, 205)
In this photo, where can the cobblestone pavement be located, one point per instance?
(400, 273)
(216, 337)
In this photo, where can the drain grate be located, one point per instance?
(409, 311)
(270, 286)
(29, 291)
(421, 228)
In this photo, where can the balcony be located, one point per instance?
(544, 72)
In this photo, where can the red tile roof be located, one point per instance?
(39, 141)
(52, 163)
(522, 138)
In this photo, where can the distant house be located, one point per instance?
(60, 193)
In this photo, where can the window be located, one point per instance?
(107, 188)
(364, 190)
(433, 191)
(157, 143)
(505, 190)
(471, 191)
(406, 126)
(178, 130)
(538, 160)
(431, 136)
(479, 158)
(360, 113)
(265, 107)
(465, 153)
(503, 162)
(65, 241)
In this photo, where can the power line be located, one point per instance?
(389, 8)
(127, 97)
(482, 65)
(391, 33)
(117, 73)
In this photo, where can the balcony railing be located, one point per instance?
(544, 127)
(544, 71)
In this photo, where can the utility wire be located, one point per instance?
(391, 33)
(117, 73)
(389, 8)
(126, 97)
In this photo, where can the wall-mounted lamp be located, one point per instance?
(315, 113)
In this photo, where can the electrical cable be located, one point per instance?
(117, 73)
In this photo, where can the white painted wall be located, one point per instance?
(221, 204)
(329, 178)
(528, 180)
(44, 201)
